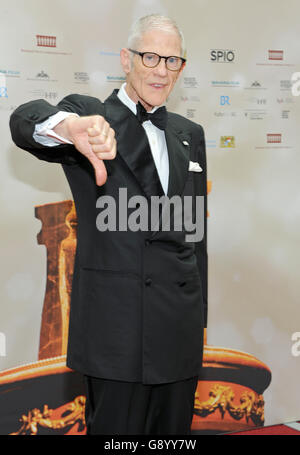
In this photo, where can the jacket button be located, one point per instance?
(148, 281)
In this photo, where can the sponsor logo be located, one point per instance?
(259, 101)
(42, 76)
(274, 141)
(48, 95)
(81, 77)
(52, 96)
(45, 41)
(274, 138)
(287, 100)
(190, 82)
(222, 55)
(115, 78)
(227, 142)
(225, 83)
(10, 73)
(255, 114)
(192, 98)
(256, 85)
(43, 44)
(274, 58)
(285, 84)
(211, 143)
(3, 92)
(224, 100)
(275, 55)
(225, 114)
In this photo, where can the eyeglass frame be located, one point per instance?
(141, 54)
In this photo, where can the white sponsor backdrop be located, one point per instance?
(237, 87)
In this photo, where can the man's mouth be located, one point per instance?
(158, 86)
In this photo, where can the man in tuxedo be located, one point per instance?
(139, 296)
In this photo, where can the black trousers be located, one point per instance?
(122, 408)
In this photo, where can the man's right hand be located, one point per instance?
(93, 137)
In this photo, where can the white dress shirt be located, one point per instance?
(45, 135)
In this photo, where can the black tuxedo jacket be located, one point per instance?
(139, 299)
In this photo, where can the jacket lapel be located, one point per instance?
(133, 145)
(178, 167)
(134, 148)
(178, 159)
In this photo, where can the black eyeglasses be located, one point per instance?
(151, 60)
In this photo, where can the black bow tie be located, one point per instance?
(158, 118)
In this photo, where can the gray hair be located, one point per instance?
(150, 22)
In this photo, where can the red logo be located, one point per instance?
(274, 138)
(46, 41)
(275, 55)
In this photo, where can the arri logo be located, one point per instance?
(222, 55)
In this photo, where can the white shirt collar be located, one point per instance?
(122, 95)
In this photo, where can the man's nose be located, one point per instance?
(161, 68)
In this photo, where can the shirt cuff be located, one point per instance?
(44, 134)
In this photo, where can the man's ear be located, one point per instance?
(125, 60)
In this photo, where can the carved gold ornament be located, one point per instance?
(221, 397)
(71, 414)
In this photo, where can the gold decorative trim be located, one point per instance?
(71, 414)
(221, 397)
(44, 367)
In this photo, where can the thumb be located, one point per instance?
(99, 168)
(85, 148)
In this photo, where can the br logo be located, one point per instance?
(224, 100)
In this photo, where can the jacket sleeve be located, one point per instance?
(25, 117)
(200, 182)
